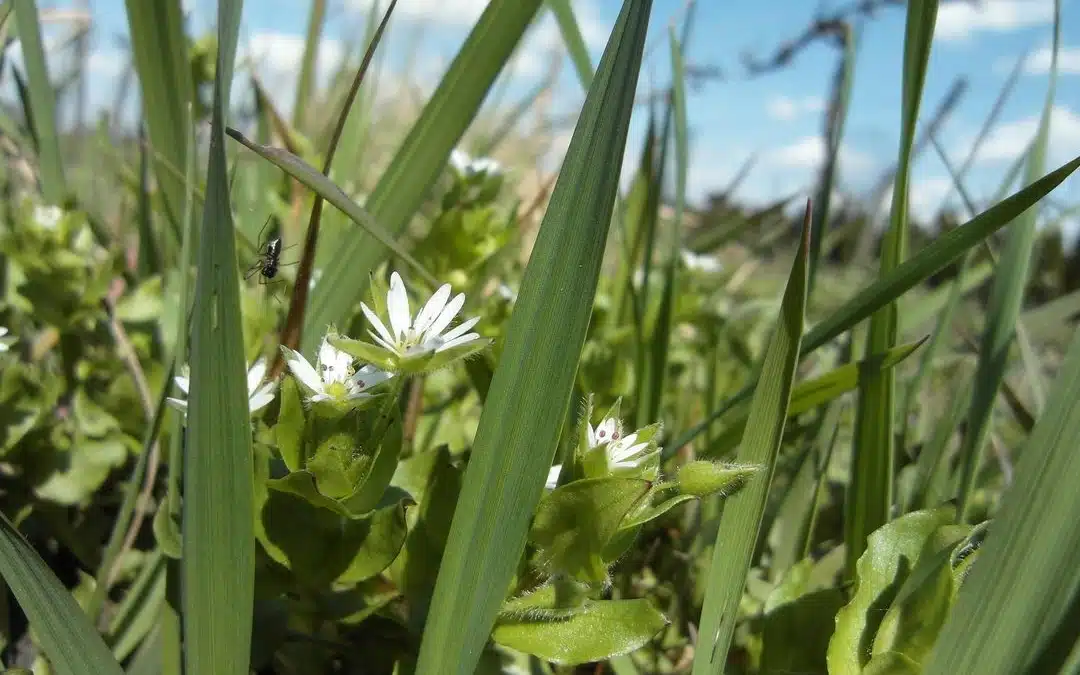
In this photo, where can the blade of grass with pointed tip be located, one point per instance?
(160, 54)
(42, 100)
(573, 39)
(1006, 299)
(64, 632)
(527, 401)
(1000, 628)
(741, 519)
(305, 83)
(418, 162)
(869, 500)
(218, 550)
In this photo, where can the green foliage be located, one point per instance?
(747, 472)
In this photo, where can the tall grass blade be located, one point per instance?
(218, 550)
(1006, 300)
(419, 161)
(870, 490)
(305, 83)
(741, 519)
(572, 37)
(42, 102)
(65, 633)
(160, 54)
(1000, 628)
(519, 427)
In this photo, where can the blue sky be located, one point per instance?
(776, 117)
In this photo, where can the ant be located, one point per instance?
(269, 259)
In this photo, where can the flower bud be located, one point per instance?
(702, 478)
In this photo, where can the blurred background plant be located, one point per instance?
(686, 437)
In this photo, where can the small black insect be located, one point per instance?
(269, 259)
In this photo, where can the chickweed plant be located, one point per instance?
(502, 423)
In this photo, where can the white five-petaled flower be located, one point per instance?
(423, 335)
(702, 262)
(333, 377)
(464, 164)
(3, 345)
(621, 452)
(48, 216)
(259, 393)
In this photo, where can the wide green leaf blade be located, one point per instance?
(519, 427)
(1033, 546)
(160, 56)
(64, 631)
(218, 520)
(418, 162)
(741, 519)
(42, 101)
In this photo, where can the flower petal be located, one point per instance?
(397, 306)
(432, 309)
(303, 370)
(321, 396)
(459, 341)
(3, 331)
(177, 403)
(383, 343)
(445, 317)
(183, 383)
(553, 477)
(255, 375)
(369, 376)
(259, 400)
(376, 323)
(461, 328)
(590, 434)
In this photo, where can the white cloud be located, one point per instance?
(458, 12)
(280, 53)
(925, 195)
(786, 109)
(961, 19)
(1009, 140)
(1038, 63)
(809, 152)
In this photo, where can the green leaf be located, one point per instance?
(741, 519)
(520, 424)
(218, 561)
(42, 102)
(1006, 299)
(65, 633)
(159, 53)
(599, 630)
(869, 498)
(890, 556)
(1021, 595)
(419, 161)
(574, 523)
(289, 430)
(573, 39)
(798, 623)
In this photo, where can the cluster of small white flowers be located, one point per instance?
(4, 346)
(467, 165)
(337, 377)
(48, 217)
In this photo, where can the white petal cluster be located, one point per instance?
(259, 393)
(426, 333)
(333, 377)
(3, 345)
(466, 165)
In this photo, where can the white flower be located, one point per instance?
(259, 393)
(553, 477)
(410, 337)
(3, 345)
(464, 164)
(701, 263)
(333, 377)
(506, 293)
(48, 216)
(623, 452)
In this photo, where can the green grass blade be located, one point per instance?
(218, 550)
(60, 626)
(519, 427)
(42, 101)
(1000, 628)
(325, 188)
(1006, 299)
(572, 37)
(870, 490)
(419, 162)
(741, 519)
(159, 51)
(305, 83)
